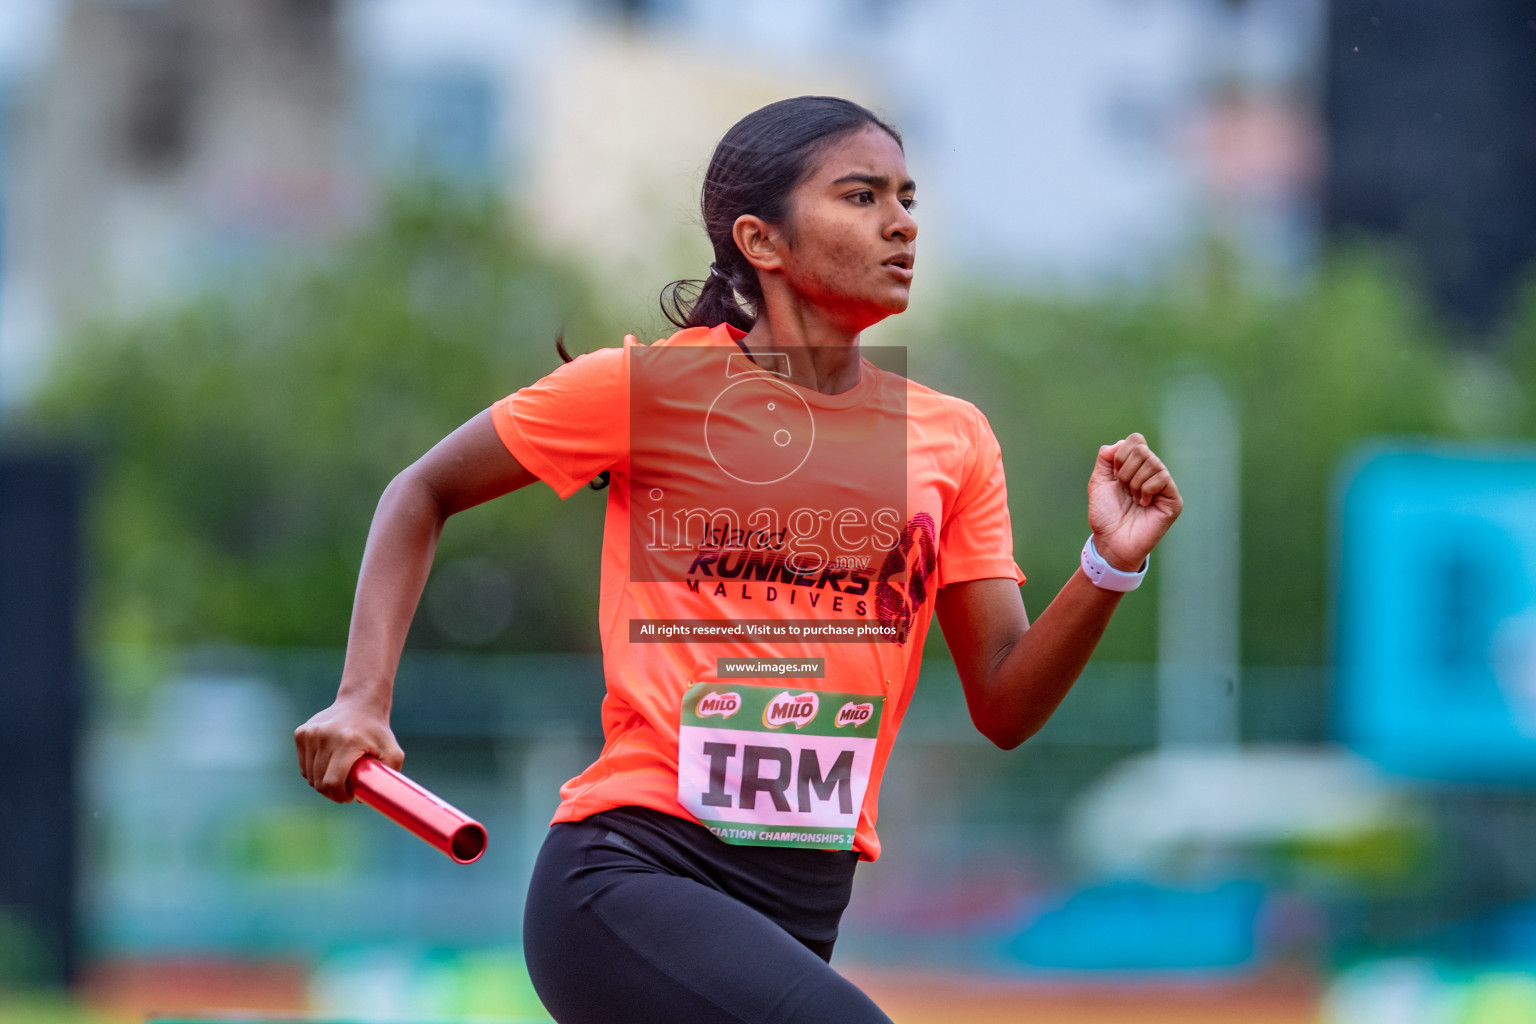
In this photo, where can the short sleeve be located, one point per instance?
(976, 541)
(569, 426)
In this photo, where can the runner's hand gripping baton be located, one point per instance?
(417, 809)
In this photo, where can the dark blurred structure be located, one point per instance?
(40, 709)
(1431, 126)
(172, 140)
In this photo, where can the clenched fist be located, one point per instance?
(332, 741)
(1132, 500)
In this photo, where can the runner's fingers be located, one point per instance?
(1159, 483)
(314, 764)
(1104, 465)
(334, 782)
(1127, 445)
(320, 781)
(1144, 472)
(393, 756)
(302, 742)
(1129, 461)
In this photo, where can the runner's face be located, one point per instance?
(851, 240)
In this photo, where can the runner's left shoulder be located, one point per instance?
(923, 398)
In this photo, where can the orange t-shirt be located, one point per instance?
(952, 525)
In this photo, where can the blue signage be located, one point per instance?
(1437, 613)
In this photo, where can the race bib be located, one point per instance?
(769, 766)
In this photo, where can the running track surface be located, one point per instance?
(917, 998)
(125, 993)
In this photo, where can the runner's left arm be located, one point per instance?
(1016, 674)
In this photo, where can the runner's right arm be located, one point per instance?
(466, 468)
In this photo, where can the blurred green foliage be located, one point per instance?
(50, 1008)
(289, 842)
(23, 954)
(241, 441)
(1314, 375)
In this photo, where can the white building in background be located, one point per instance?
(161, 146)
(599, 126)
(27, 34)
(1082, 146)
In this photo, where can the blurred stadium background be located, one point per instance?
(256, 255)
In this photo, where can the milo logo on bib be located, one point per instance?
(753, 781)
(784, 710)
(853, 714)
(723, 704)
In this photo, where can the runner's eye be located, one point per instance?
(909, 204)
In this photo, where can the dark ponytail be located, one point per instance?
(755, 167)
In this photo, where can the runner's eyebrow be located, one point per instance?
(875, 181)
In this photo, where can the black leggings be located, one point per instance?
(634, 916)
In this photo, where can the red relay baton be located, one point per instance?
(408, 804)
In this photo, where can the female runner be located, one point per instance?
(697, 871)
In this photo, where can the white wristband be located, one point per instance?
(1101, 574)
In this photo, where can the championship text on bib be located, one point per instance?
(770, 766)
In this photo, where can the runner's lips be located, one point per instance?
(901, 264)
